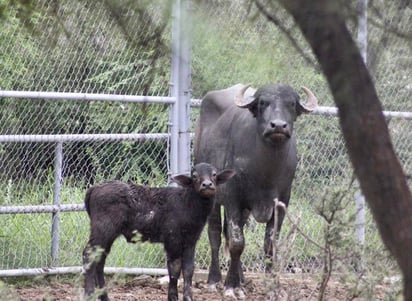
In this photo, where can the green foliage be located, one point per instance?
(7, 292)
(245, 50)
(26, 239)
(80, 47)
(62, 56)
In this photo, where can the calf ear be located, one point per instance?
(183, 180)
(225, 175)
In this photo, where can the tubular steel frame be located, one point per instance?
(179, 136)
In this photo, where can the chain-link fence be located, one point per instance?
(55, 145)
(90, 47)
(249, 49)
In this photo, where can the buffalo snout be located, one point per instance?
(207, 184)
(277, 130)
(207, 188)
(278, 124)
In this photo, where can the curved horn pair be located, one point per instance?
(311, 101)
(310, 105)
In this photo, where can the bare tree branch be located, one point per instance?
(286, 32)
(363, 125)
(387, 26)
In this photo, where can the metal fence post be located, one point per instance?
(180, 89)
(55, 231)
(363, 27)
(362, 44)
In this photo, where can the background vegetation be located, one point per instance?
(123, 47)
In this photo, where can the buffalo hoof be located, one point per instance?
(236, 293)
(188, 298)
(212, 288)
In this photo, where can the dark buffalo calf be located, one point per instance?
(174, 216)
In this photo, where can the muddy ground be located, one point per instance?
(146, 288)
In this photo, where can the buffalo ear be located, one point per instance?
(183, 180)
(253, 108)
(251, 104)
(225, 175)
(247, 100)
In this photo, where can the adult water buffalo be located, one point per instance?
(251, 131)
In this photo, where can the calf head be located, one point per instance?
(275, 108)
(204, 179)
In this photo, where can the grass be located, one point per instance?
(25, 243)
(25, 239)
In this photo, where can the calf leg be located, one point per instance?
(100, 277)
(90, 274)
(174, 266)
(94, 258)
(188, 267)
(215, 240)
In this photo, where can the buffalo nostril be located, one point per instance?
(207, 184)
(278, 124)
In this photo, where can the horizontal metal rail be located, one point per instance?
(400, 115)
(79, 269)
(83, 137)
(41, 208)
(88, 96)
(333, 111)
(321, 110)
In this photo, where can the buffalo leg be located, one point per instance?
(174, 266)
(188, 266)
(268, 242)
(215, 239)
(94, 258)
(236, 243)
(268, 245)
(90, 276)
(100, 277)
(93, 263)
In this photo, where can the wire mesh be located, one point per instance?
(94, 47)
(249, 49)
(83, 47)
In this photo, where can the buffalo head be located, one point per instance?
(275, 108)
(204, 179)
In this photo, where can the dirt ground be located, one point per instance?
(258, 287)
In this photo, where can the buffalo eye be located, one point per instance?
(195, 175)
(263, 105)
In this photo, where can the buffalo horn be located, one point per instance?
(240, 99)
(311, 102)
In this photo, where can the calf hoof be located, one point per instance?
(98, 295)
(236, 294)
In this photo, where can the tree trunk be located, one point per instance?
(363, 125)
